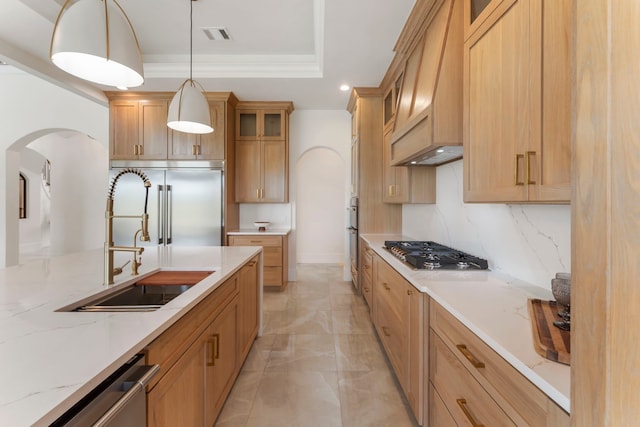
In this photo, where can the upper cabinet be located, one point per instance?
(262, 152)
(428, 117)
(517, 71)
(138, 128)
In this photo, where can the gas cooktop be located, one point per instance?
(426, 255)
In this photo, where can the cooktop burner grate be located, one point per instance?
(427, 255)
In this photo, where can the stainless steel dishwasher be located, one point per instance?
(120, 400)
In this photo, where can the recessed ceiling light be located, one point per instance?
(344, 88)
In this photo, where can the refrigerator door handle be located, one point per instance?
(169, 213)
(160, 214)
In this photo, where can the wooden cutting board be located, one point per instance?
(174, 278)
(549, 341)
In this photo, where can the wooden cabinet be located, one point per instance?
(262, 152)
(475, 383)
(275, 256)
(200, 355)
(208, 146)
(138, 129)
(366, 278)
(428, 119)
(406, 184)
(517, 60)
(398, 318)
(248, 306)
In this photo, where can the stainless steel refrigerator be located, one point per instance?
(184, 206)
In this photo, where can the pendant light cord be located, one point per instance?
(191, 42)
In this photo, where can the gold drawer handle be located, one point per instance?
(366, 289)
(528, 166)
(409, 292)
(462, 403)
(256, 241)
(386, 286)
(214, 349)
(470, 357)
(385, 331)
(252, 263)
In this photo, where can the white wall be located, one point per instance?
(310, 130)
(530, 242)
(31, 227)
(32, 108)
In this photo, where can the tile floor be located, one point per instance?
(318, 363)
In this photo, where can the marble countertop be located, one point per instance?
(276, 231)
(50, 359)
(506, 328)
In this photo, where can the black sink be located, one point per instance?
(136, 298)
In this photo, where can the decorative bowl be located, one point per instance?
(262, 225)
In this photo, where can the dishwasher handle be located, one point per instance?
(137, 387)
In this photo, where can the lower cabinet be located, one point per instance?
(200, 356)
(476, 385)
(397, 313)
(275, 250)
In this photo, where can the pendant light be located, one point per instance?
(189, 109)
(94, 40)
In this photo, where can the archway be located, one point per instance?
(320, 209)
(78, 177)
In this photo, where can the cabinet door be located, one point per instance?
(272, 125)
(212, 144)
(182, 145)
(497, 101)
(416, 347)
(153, 130)
(248, 171)
(274, 171)
(247, 124)
(178, 398)
(395, 178)
(550, 153)
(354, 167)
(221, 360)
(248, 302)
(123, 132)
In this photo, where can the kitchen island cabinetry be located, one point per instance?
(518, 61)
(476, 385)
(398, 319)
(276, 253)
(199, 359)
(249, 310)
(262, 152)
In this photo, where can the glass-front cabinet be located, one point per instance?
(261, 124)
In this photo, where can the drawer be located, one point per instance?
(466, 400)
(272, 276)
(439, 415)
(272, 256)
(255, 241)
(390, 287)
(393, 330)
(521, 399)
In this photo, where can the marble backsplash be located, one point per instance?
(530, 242)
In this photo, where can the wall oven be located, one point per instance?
(353, 240)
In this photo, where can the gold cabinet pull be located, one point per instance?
(385, 331)
(252, 263)
(386, 286)
(366, 289)
(462, 403)
(409, 292)
(256, 241)
(528, 166)
(517, 169)
(194, 150)
(217, 338)
(470, 357)
(257, 193)
(213, 352)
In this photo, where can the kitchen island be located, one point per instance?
(51, 359)
(489, 304)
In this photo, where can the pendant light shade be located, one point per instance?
(94, 40)
(189, 109)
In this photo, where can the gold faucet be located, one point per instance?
(109, 247)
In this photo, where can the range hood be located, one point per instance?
(428, 123)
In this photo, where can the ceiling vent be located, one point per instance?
(217, 33)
